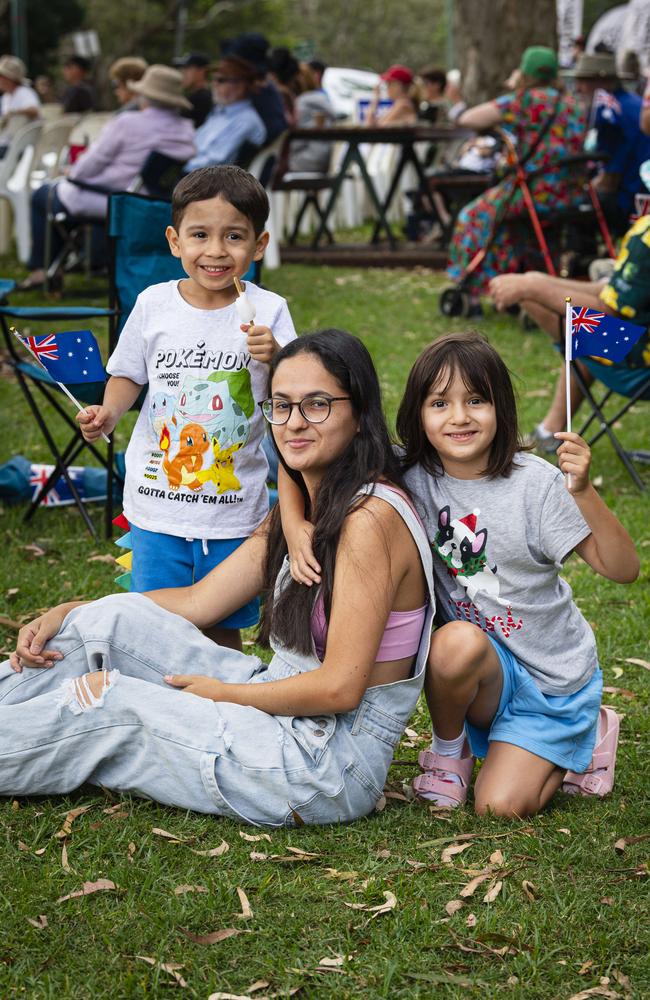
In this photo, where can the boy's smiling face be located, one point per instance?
(215, 243)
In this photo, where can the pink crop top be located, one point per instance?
(401, 637)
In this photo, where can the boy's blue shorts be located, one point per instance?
(161, 561)
(560, 728)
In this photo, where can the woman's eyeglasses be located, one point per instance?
(315, 409)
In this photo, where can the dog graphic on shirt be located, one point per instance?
(462, 549)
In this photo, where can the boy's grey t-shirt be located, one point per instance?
(497, 547)
(195, 467)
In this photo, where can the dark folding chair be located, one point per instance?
(636, 388)
(38, 386)
(157, 178)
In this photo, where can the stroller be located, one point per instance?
(455, 299)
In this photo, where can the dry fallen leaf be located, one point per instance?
(342, 876)
(64, 860)
(259, 984)
(471, 887)
(40, 923)
(130, 850)
(492, 893)
(607, 900)
(180, 890)
(595, 991)
(40, 851)
(390, 904)
(585, 967)
(471, 920)
(215, 937)
(453, 906)
(246, 912)
(622, 979)
(638, 663)
(618, 672)
(624, 842)
(173, 837)
(451, 851)
(229, 996)
(109, 560)
(303, 854)
(66, 829)
(215, 852)
(253, 838)
(380, 804)
(333, 963)
(258, 856)
(169, 967)
(102, 884)
(529, 890)
(496, 858)
(565, 831)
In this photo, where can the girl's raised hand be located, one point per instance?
(574, 458)
(303, 565)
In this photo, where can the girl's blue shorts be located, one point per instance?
(161, 561)
(559, 728)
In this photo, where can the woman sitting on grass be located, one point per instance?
(309, 737)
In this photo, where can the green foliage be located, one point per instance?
(47, 21)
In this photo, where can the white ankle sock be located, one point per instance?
(449, 748)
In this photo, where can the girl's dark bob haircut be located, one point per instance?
(483, 371)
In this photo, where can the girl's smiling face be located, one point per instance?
(460, 424)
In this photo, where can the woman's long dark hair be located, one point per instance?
(368, 458)
(483, 371)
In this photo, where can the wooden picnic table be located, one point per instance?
(358, 136)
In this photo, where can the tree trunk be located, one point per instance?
(491, 36)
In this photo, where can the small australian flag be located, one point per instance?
(597, 335)
(70, 357)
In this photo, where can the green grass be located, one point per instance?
(585, 920)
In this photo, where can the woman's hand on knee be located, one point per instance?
(30, 647)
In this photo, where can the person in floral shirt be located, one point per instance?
(542, 145)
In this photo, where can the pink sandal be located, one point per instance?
(435, 784)
(598, 779)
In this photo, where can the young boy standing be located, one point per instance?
(196, 473)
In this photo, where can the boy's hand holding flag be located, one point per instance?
(72, 356)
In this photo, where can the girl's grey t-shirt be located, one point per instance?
(498, 545)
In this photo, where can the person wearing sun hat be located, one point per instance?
(398, 80)
(615, 114)
(19, 103)
(116, 158)
(548, 127)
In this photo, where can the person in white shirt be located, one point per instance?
(19, 103)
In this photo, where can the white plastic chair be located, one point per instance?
(15, 168)
(49, 155)
(256, 167)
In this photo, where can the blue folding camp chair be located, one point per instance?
(37, 385)
(631, 385)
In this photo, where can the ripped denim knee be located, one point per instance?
(77, 694)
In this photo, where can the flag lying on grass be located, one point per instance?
(597, 335)
(71, 356)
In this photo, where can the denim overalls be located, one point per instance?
(148, 739)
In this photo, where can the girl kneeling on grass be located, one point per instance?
(299, 739)
(523, 689)
(513, 670)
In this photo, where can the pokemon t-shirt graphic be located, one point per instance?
(195, 466)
